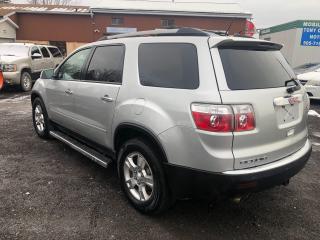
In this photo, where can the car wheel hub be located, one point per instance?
(26, 82)
(138, 177)
(39, 118)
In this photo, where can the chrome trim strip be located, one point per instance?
(280, 163)
(77, 148)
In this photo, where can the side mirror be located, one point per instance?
(36, 56)
(55, 74)
(47, 74)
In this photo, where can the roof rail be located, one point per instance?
(216, 32)
(162, 32)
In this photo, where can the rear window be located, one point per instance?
(55, 52)
(255, 69)
(169, 65)
(45, 52)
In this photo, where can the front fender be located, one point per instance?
(38, 90)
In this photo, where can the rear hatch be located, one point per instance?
(255, 73)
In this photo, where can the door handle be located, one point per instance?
(69, 92)
(106, 98)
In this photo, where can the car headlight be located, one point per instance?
(9, 67)
(313, 83)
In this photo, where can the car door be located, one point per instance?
(47, 59)
(60, 90)
(36, 63)
(95, 97)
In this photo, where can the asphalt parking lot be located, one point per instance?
(49, 191)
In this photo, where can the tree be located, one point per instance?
(50, 2)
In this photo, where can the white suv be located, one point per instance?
(181, 113)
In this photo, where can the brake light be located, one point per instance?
(244, 118)
(223, 118)
(213, 118)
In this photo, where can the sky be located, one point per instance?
(266, 13)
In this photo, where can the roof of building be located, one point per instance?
(17, 44)
(8, 20)
(203, 9)
(290, 25)
(7, 9)
(209, 9)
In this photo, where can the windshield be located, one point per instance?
(309, 67)
(14, 50)
(255, 69)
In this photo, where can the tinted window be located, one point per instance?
(169, 65)
(55, 52)
(45, 52)
(72, 67)
(254, 69)
(61, 45)
(167, 23)
(35, 50)
(106, 64)
(117, 21)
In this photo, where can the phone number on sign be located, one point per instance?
(310, 43)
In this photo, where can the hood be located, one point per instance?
(10, 59)
(309, 76)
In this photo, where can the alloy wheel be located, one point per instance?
(138, 177)
(39, 118)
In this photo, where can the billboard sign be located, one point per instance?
(310, 34)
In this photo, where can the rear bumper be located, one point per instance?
(186, 182)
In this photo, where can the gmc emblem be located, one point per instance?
(293, 100)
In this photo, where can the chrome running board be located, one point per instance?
(81, 148)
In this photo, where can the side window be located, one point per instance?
(45, 52)
(169, 65)
(72, 67)
(35, 50)
(106, 64)
(167, 23)
(115, 21)
(55, 52)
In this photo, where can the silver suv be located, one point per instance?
(181, 113)
(22, 63)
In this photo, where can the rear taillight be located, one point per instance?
(244, 118)
(223, 118)
(214, 118)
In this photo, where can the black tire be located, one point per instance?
(45, 132)
(160, 198)
(26, 81)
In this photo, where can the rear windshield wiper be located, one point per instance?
(292, 89)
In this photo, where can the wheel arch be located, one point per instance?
(34, 95)
(26, 69)
(127, 131)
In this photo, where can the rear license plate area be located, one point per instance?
(287, 114)
(287, 109)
